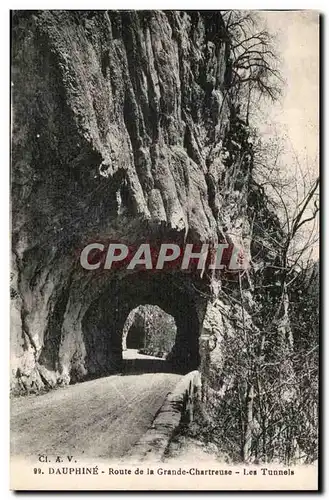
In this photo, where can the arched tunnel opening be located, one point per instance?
(150, 330)
(148, 339)
(109, 328)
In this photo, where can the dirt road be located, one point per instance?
(101, 418)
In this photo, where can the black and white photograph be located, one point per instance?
(165, 262)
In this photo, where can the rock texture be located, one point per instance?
(119, 125)
(150, 330)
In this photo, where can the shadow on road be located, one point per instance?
(138, 366)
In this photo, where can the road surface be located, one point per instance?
(101, 418)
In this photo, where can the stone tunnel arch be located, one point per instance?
(103, 323)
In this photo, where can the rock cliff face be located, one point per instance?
(118, 125)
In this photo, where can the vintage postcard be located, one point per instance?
(165, 250)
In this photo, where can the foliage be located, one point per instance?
(263, 404)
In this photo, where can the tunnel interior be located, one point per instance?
(103, 325)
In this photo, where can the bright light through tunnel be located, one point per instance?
(150, 331)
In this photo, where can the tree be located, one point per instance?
(269, 396)
(253, 63)
(267, 389)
